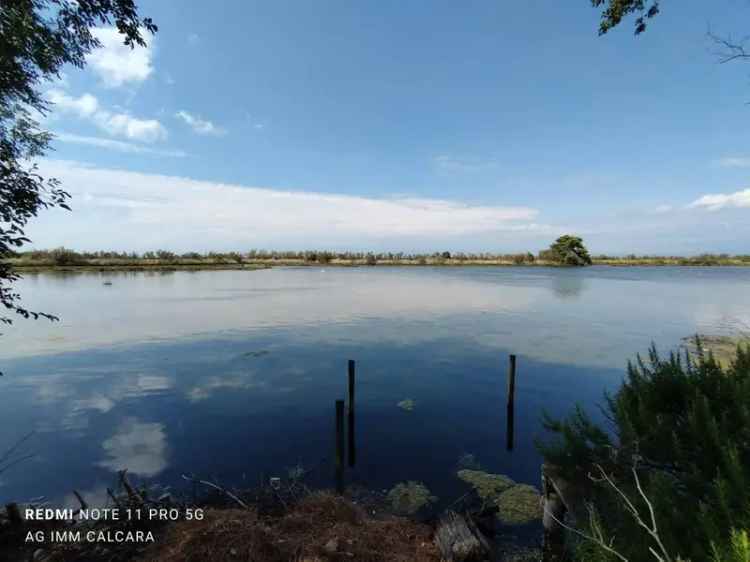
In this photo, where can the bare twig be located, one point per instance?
(132, 494)
(111, 494)
(652, 529)
(80, 499)
(7, 460)
(598, 541)
(729, 49)
(216, 487)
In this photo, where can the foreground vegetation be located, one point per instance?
(670, 480)
(65, 258)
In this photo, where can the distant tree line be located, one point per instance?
(557, 254)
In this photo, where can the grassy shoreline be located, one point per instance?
(25, 264)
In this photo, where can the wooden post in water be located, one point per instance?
(14, 513)
(350, 433)
(510, 407)
(340, 446)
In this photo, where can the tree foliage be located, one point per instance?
(684, 424)
(37, 38)
(567, 250)
(616, 10)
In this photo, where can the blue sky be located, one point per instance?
(478, 126)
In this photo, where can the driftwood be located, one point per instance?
(459, 540)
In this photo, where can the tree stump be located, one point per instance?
(459, 540)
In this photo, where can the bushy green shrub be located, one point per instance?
(568, 250)
(684, 424)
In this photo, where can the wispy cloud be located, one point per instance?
(120, 146)
(176, 211)
(455, 164)
(662, 209)
(115, 124)
(734, 162)
(200, 126)
(115, 63)
(718, 201)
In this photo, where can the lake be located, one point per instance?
(233, 375)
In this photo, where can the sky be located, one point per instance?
(479, 126)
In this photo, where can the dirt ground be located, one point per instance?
(321, 528)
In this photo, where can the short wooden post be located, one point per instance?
(351, 386)
(510, 418)
(14, 514)
(350, 433)
(340, 446)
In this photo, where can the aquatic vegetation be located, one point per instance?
(407, 405)
(723, 348)
(469, 461)
(296, 472)
(409, 497)
(517, 504)
(488, 486)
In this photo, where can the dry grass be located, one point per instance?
(320, 528)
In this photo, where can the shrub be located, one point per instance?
(371, 259)
(63, 256)
(684, 425)
(165, 255)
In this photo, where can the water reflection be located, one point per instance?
(139, 447)
(604, 314)
(257, 390)
(570, 285)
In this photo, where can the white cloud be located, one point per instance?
(717, 201)
(124, 125)
(115, 124)
(734, 162)
(120, 146)
(116, 63)
(84, 106)
(175, 212)
(200, 126)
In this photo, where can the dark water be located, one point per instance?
(233, 375)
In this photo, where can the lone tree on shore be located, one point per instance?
(37, 38)
(567, 250)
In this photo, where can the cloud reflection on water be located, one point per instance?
(137, 446)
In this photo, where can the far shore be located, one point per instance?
(144, 264)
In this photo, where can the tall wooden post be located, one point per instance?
(340, 446)
(510, 406)
(351, 385)
(350, 433)
(14, 513)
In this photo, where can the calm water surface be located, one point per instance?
(234, 374)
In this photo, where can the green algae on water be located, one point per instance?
(517, 504)
(407, 405)
(409, 497)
